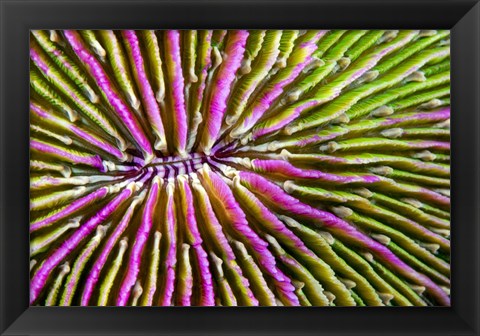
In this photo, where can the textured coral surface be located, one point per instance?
(261, 167)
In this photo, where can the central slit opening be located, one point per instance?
(172, 166)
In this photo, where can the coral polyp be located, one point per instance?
(240, 167)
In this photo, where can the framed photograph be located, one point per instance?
(239, 168)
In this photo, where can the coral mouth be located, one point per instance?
(173, 166)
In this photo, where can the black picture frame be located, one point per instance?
(19, 16)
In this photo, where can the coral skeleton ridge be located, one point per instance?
(240, 167)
